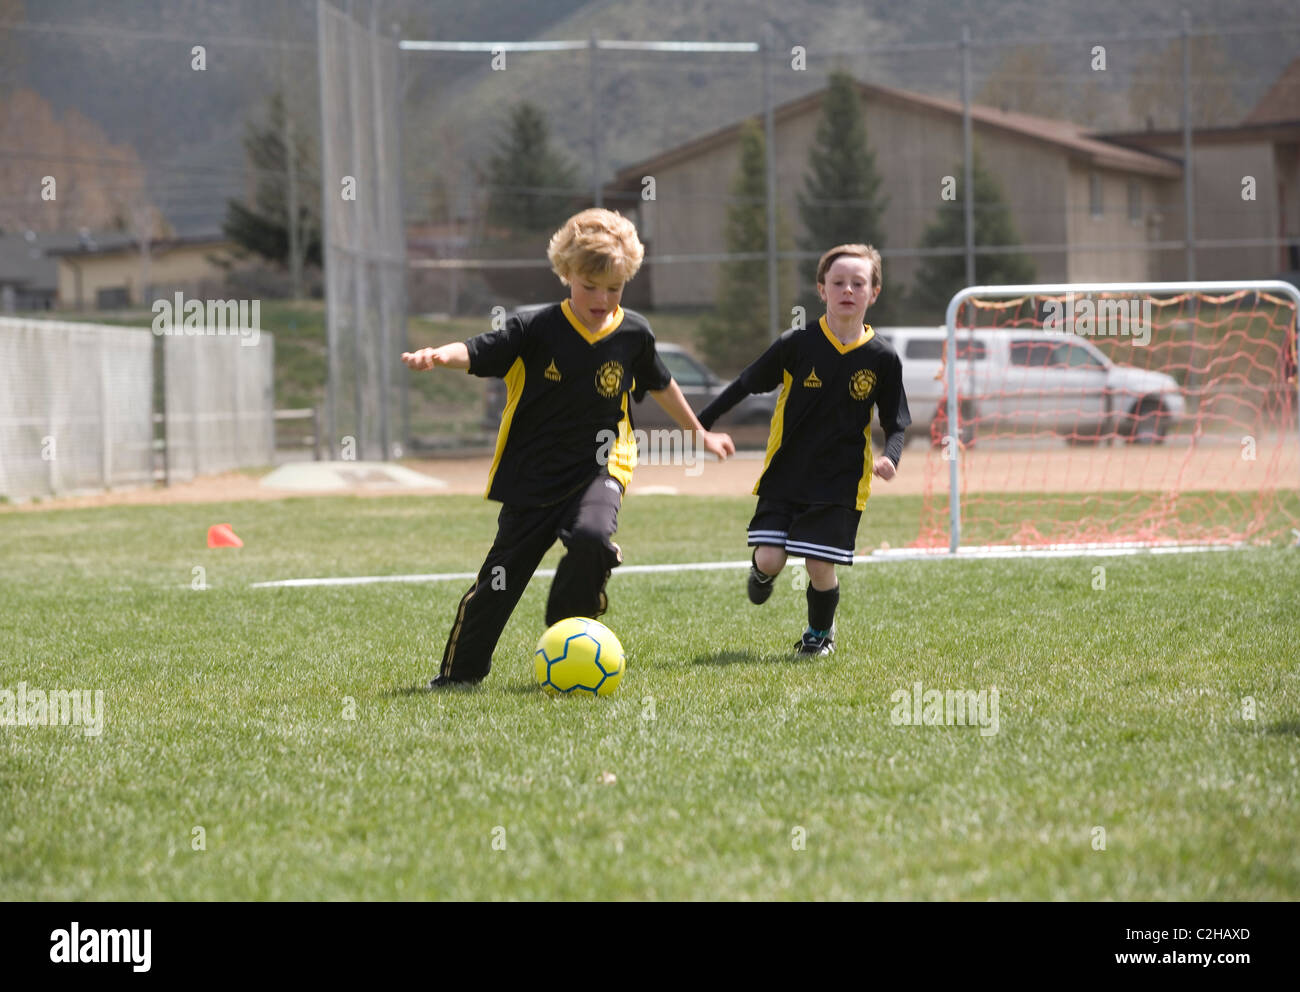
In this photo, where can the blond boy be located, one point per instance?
(568, 368)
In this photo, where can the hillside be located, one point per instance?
(655, 101)
(125, 64)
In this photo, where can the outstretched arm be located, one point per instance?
(763, 374)
(675, 405)
(724, 401)
(454, 356)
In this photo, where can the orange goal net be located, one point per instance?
(1145, 414)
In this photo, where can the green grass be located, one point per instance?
(1196, 516)
(225, 709)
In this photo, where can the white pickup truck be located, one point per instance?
(1029, 380)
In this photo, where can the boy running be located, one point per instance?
(568, 369)
(817, 474)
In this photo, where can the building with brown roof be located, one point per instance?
(1246, 185)
(1086, 208)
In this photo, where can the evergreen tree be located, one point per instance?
(531, 183)
(940, 277)
(841, 202)
(737, 331)
(262, 227)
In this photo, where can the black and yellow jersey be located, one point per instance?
(819, 448)
(566, 411)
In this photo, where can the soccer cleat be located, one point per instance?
(816, 642)
(759, 585)
(442, 682)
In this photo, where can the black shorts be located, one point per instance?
(821, 531)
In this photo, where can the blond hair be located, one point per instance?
(595, 242)
(852, 251)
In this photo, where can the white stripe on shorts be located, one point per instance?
(820, 551)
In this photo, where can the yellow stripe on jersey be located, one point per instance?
(514, 389)
(778, 424)
(867, 334)
(864, 484)
(611, 324)
(622, 456)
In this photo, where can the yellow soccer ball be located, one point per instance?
(579, 657)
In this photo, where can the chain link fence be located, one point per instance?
(364, 241)
(76, 407)
(219, 404)
(1073, 145)
(79, 404)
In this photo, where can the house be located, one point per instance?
(108, 271)
(29, 275)
(1088, 206)
(1246, 186)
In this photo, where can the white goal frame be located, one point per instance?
(1275, 286)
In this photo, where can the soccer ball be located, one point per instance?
(579, 657)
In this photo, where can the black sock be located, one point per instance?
(821, 607)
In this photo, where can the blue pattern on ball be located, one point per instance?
(594, 690)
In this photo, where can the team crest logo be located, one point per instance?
(609, 379)
(862, 383)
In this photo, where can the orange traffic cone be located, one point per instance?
(221, 536)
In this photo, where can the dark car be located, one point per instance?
(698, 384)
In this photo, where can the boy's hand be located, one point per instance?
(885, 468)
(425, 358)
(718, 444)
(453, 355)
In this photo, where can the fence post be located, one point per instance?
(269, 390)
(769, 141)
(194, 405)
(968, 155)
(237, 407)
(330, 271)
(1189, 203)
(105, 418)
(594, 90)
(52, 475)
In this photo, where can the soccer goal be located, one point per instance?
(1109, 414)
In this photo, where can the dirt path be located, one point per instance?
(984, 469)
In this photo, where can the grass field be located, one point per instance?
(739, 772)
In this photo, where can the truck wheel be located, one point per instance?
(1146, 423)
(1086, 435)
(939, 425)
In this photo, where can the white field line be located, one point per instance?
(879, 558)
